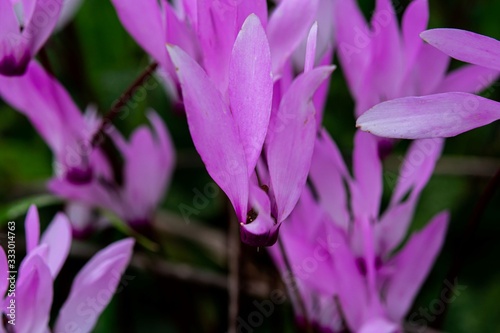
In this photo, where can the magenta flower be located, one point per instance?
(57, 119)
(440, 115)
(25, 25)
(341, 245)
(84, 173)
(230, 128)
(148, 166)
(96, 282)
(383, 61)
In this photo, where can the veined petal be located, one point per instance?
(214, 133)
(465, 46)
(469, 78)
(251, 88)
(143, 21)
(290, 145)
(412, 264)
(440, 115)
(58, 239)
(295, 17)
(98, 279)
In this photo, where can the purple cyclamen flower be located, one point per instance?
(96, 282)
(147, 169)
(341, 245)
(440, 115)
(57, 119)
(383, 61)
(257, 145)
(84, 173)
(25, 25)
(206, 31)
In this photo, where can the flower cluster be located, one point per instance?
(253, 83)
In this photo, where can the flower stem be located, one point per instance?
(121, 102)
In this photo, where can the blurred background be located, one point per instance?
(183, 288)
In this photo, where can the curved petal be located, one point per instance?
(290, 144)
(295, 17)
(465, 46)
(58, 238)
(214, 133)
(36, 32)
(251, 88)
(33, 296)
(32, 228)
(441, 115)
(469, 78)
(143, 21)
(94, 287)
(412, 264)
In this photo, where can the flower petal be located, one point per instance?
(469, 78)
(412, 264)
(440, 115)
(94, 287)
(290, 145)
(251, 88)
(58, 238)
(38, 33)
(146, 26)
(415, 19)
(214, 133)
(295, 17)
(32, 228)
(465, 46)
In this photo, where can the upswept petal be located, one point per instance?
(291, 143)
(465, 46)
(33, 296)
(312, 40)
(366, 187)
(32, 228)
(8, 21)
(415, 19)
(412, 264)
(256, 7)
(94, 286)
(295, 17)
(354, 44)
(147, 28)
(37, 33)
(58, 239)
(214, 133)
(251, 88)
(440, 115)
(387, 53)
(329, 176)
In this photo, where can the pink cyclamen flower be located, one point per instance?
(147, 169)
(33, 294)
(256, 145)
(206, 31)
(341, 245)
(50, 109)
(25, 25)
(440, 115)
(85, 173)
(383, 61)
